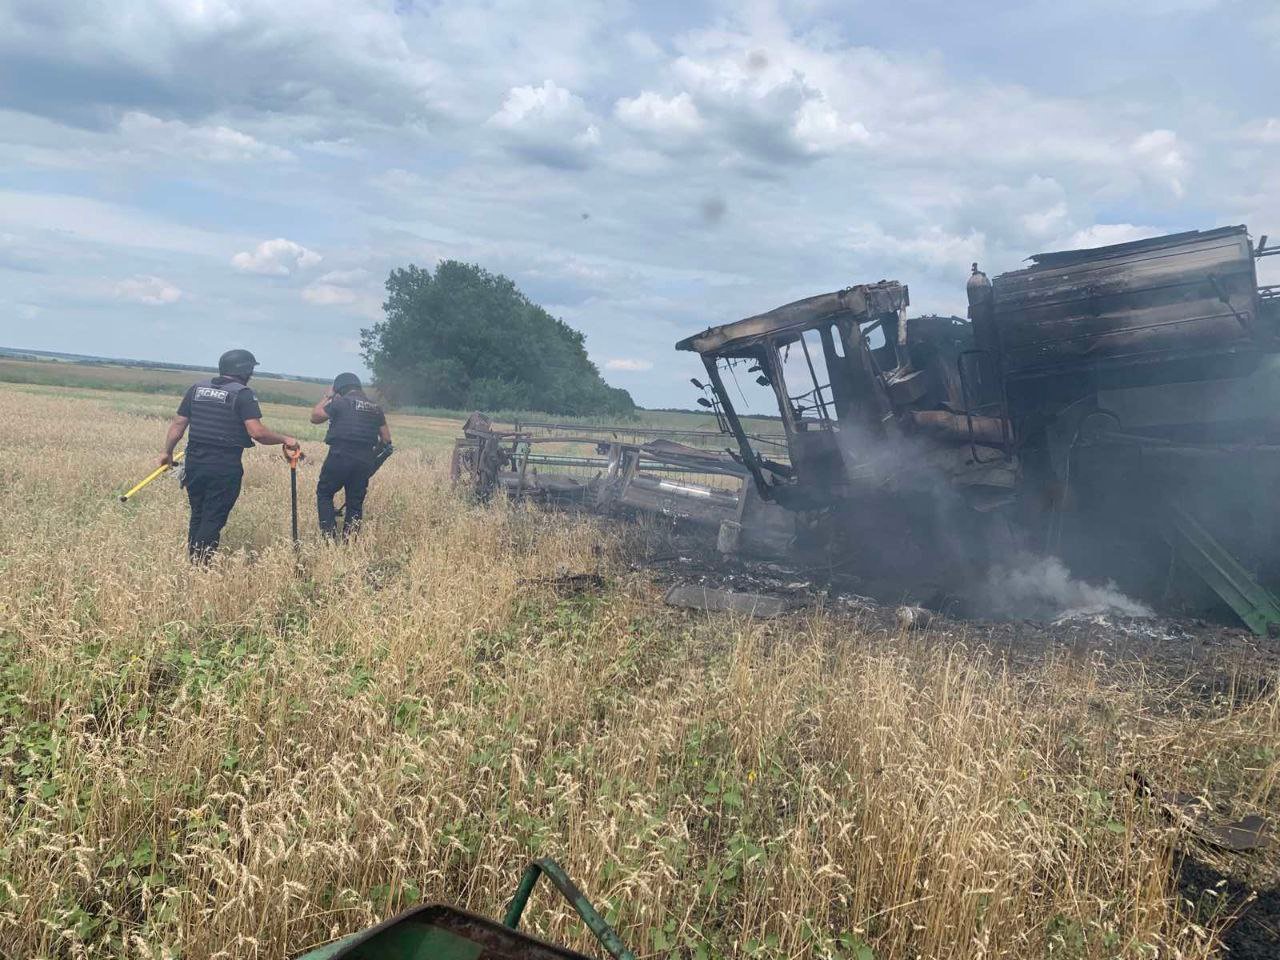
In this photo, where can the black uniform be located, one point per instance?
(217, 409)
(354, 425)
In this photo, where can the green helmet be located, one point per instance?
(345, 382)
(236, 363)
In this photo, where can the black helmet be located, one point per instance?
(236, 363)
(344, 382)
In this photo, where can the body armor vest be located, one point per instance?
(354, 419)
(214, 421)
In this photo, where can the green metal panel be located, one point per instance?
(1253, 603)
(403, 942)
(436, 932)
(577, 899)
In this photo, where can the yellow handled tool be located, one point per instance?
(158, 471)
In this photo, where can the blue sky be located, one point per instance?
(180, 177)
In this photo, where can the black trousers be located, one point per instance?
(212, 494)
(341, 471)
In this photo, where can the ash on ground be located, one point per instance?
(1023, 613)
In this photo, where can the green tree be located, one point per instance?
(468, 339)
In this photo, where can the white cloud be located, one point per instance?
(328, 295)
(1106, 234)
(342, 147)
(662, 116)
(547, 124)
(1265, 131)
(277, 258)
(642, 45)
(348, 288)
(323, 58)
(932, 246)
(219, 144)
(754, 110)
(62, 216)
(772, 98)
(628, 364)
(153, 291)
(1039, 223)
(137, 140)
(773, 95)
(344, 278)
(21, 252)
(399, 182)
(1018, 215)
(1163, 157)
(548, 104)
(334, 288)
(821, 129)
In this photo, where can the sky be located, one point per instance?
(178, 178)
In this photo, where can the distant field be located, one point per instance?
(106, 376)
(426, 430)
(411, 431)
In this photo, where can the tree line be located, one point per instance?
(465, 338)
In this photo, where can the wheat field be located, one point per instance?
(253, 759)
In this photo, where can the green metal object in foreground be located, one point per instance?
(1252, 602)
(438, 932)
(555, 873)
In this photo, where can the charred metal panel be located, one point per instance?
(1270, 303)
(767, 528)
(958, 428)
(935, 345)
(1132, 303)
(742, 337)
(695, 503)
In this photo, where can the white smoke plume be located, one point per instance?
(1042, 588)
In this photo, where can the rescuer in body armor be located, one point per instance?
(356, 426)
(224, 419)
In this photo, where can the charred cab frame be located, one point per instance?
(849, 431)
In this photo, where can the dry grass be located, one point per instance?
(246, 761)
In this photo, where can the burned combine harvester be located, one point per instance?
(1112, 406)
(1115, 406)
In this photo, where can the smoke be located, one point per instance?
(1042, 588)
(1000, 582)
(939, 516)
